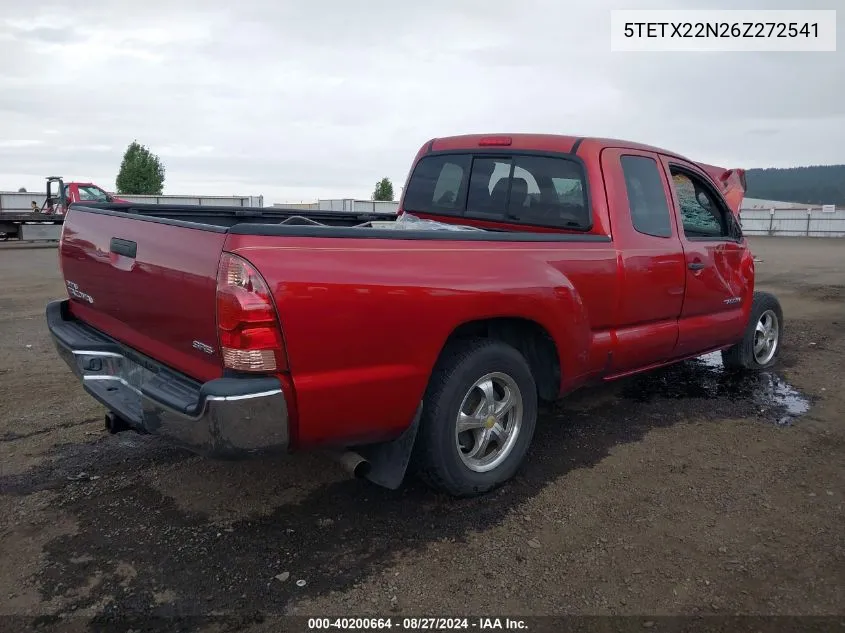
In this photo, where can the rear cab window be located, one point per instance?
(520, 189)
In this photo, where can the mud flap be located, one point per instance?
(389, 460)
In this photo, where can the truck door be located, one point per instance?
(651, 262)
(719, 266)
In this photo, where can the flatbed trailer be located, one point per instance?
(31, 227)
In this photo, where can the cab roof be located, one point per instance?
(537, 142)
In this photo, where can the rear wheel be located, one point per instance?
(478, 419)
(761, 342)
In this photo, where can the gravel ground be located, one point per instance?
(680, 492)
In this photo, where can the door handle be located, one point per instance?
(126, 248)
(696, 265)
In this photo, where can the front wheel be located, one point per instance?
(478, 419)
(761, 341)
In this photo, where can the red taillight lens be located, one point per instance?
(249, 332)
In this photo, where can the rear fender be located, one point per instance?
(559, 310)
(328, 292)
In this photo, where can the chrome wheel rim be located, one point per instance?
(766, 337)
(488, 422)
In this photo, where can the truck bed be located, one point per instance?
(309, 223)
(220, 217)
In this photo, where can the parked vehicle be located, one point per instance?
(29, 221)
(521, 268)
(27, 216)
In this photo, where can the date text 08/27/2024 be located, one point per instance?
(417, 624)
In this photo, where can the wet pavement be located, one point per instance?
(706, 378)
(136, 541)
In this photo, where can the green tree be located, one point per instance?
(141, 172)
(813, 184)
(384, 190)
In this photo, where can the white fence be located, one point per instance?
(794, 222)
(343, 204)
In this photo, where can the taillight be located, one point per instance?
(495, 141)
(247, 324)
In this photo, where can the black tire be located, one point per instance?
(741, 356)
(437, 456)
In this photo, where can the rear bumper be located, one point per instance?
(227, 417)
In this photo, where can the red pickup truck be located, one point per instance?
(242, 331)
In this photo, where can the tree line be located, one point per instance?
(817, 184)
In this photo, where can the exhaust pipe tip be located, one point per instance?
(362, 469)
(352, 463)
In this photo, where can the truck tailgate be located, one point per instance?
(148, 284)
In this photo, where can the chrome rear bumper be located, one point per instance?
(226, 417)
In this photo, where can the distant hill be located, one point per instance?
(822, 184)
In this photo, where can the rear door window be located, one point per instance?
(646, 196)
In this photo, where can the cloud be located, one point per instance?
(47, 35)
(16, 143)
(324, 98)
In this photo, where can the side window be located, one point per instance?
(92, 194)
(438, 185)
(646, 196)
(702, 215)
(488, 188)
(549, 192)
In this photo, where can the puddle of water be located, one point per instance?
(706, 377)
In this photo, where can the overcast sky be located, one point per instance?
(296, 100)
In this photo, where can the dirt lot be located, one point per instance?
(679, 492)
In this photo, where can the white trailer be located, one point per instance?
(20, 202)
